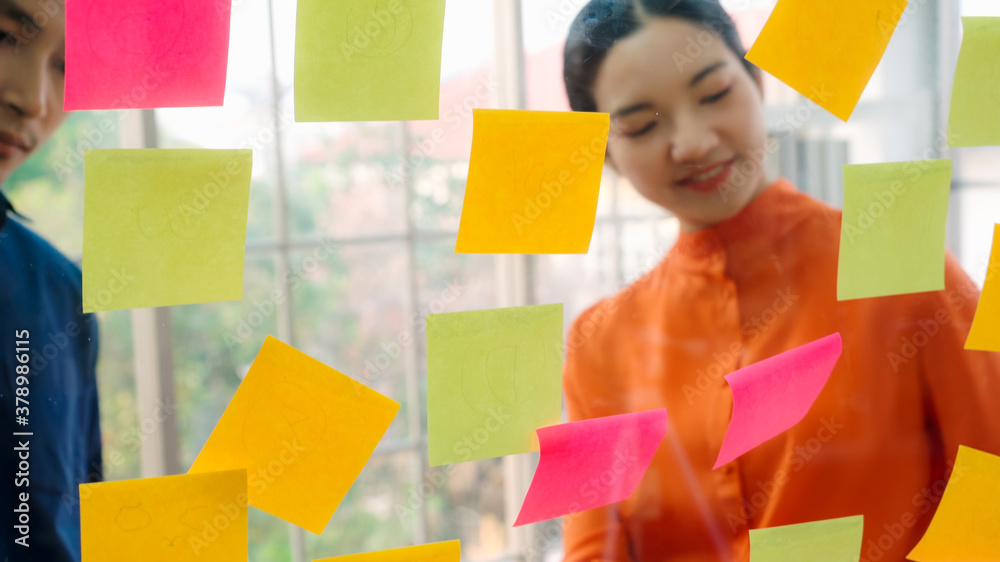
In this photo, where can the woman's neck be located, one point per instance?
(766, 180)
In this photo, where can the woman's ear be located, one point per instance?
(609, 161)
(758, 78)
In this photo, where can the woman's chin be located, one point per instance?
(707, 216)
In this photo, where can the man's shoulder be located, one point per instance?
(27, 253)
(35, 275)
(41, 291)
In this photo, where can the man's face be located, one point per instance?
(32, 71)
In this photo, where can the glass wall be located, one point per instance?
(356, 224)
(976, 184)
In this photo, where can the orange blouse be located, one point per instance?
(878, 441)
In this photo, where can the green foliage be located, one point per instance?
(215, 343)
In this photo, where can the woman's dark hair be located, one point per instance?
(602, 23)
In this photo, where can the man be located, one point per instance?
(49, 423)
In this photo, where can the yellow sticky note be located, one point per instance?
(302, 430)
(186, 518)
(893, 229)
(164, 227)
(368, 60)
(450, 551)
(493, 378)
(534, 178)
(985, 332)
(827, 51)
(966, 526)
(830, 540)
(974, 119)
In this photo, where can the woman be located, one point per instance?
(753, 274)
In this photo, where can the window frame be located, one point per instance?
(515, 275)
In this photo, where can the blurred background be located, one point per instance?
(392, 235)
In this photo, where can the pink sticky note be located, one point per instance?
(591, 463)
(773, 395)
(124, 54)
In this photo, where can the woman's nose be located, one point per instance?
(692, 143)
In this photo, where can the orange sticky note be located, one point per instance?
(449, 551)
(827, 51)
(985, 332)
(184, 518)
(302, 430)
(534, 177)
(966, 526)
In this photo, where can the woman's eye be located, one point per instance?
(716, 97)
(649, 126)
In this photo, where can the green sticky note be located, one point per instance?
(832, 540)
(975, 98)
(164, 227)
(368, 60)
(892, 236)
(493, 378)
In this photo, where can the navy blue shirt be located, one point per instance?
(40, 292)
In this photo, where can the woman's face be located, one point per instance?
(32, 67)
(687, 121)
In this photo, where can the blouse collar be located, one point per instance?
(725, 247)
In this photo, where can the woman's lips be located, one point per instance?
(709, 180)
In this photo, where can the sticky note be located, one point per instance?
(186, 518)
(123, 54)
(827, 51)
(985, 332)
(164, 227)
(893, 230)
(450, 551)
(974, 119)
(302, 430)
(493, 378)
(772, 395)
(832, 540)
(591, 463)
(966, 525)
(534, 178)
(362, 60)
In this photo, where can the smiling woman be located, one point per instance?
(705, 109)
(689, 134)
